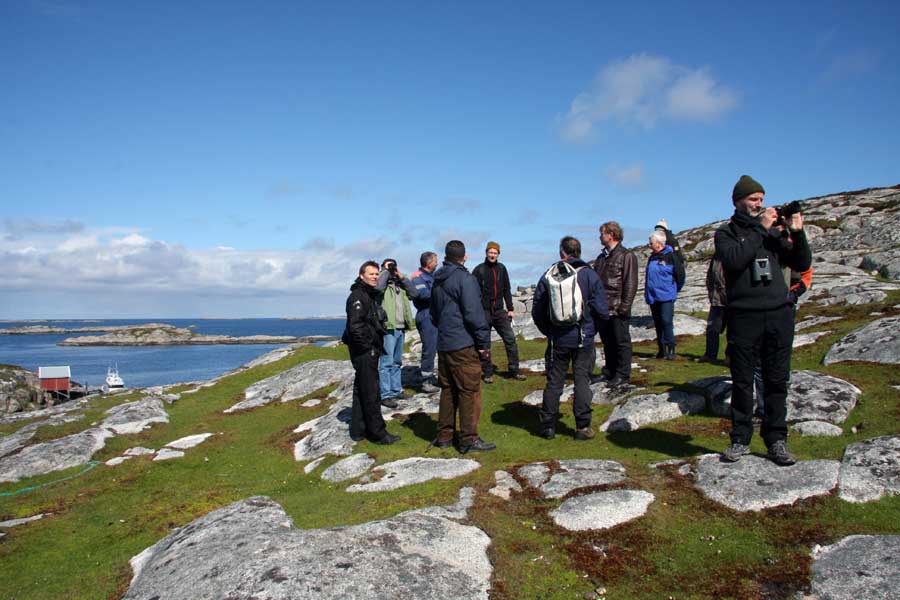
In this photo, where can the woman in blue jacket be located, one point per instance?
(661, 290)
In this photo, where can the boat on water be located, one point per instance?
(113, 380)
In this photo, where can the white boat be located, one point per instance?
(113, 381)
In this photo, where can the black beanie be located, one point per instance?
(745, 186)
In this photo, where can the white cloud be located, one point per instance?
(642, 90)
(629, 176)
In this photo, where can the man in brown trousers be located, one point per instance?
(464, 339)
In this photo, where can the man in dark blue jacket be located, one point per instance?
(573, 343)
(760, 317)
(463, 340)
(423, 280)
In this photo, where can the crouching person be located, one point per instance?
(568, 302)
(364, 337)
(463, 341)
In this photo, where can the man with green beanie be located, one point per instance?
(753, 250)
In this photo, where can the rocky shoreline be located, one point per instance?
(160, 334)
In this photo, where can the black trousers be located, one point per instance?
(762, 337)
(366, 419)
(615, 334)
(499, 320)
(582, 360)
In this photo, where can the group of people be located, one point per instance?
(574, 302)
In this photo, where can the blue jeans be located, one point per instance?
(429, 333)
(390, 363)
(663, 316)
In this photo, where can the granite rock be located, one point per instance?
(572, 475)
(601, 510)
(871, 469)
(506, 484)
(251, 549)
(188, 441)
(296, 382)
(638, 411)
(755, 483)
(858, 567)
(348, 468)
(409, 471)
(56, 455)
(818, 428)
(878, 342)
(134, 417)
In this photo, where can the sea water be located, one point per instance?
(143, 366)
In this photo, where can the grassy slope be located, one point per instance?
(685, 547)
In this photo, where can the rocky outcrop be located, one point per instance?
(409, 471)
(639, 411)
(133, 417)
(294, 383)
(12, 442)
(871, 469)
(878, 342)
(348, 468)
(601, 510)
(160, 334)
(858, 567)
(755, 483)
(252, 549)
(18, 389)
(63, 453)
(571, 475)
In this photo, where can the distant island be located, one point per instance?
(161, 334)
(50, 329)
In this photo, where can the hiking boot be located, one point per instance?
(357, 437)
(779, 454)
(661, 353)
(518, 376)
(585, 433)
(387, 440)
(442, 444)
(735, 451)
(390, 402)
(477, 445)
(617, 382)
(670, 352)
(428, 388)
(548, 433)
(488, 379)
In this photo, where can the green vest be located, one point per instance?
(389, 303)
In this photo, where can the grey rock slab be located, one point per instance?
(348, 468)
(251, 549)
(409, 471)
(56, 455)
(456, 511)
(755, 483)
(646, 409)
(134, 417)
(870, 469)
(858, 567)
(22, 521)
(601, 510)
(814, 322)
(805, 339)
(535, 474)
(313, 465)
(535, 365)
(167, 454)
(506, 484)
(117, 461)
(294, 383)
(818, 428)
(879, 342)
(814, 396)
(580, 473)
(139, 451)
(600, 394)
(642, 328)
(12, 442)
(188, 441)
(329, 434)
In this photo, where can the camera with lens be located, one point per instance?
(786, 211)
(391, 267)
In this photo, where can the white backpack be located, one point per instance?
(566, 303)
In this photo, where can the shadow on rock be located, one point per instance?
(665, 442)
(422, 426)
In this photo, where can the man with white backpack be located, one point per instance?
(568, 302)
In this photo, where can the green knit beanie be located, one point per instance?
(745, 186)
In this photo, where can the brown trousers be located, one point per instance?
(459, 375)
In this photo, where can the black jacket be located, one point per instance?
(366, 320)
(494, 282)
(744, 239)
(456, 310)
(619, 274)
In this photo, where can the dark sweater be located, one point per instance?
(494, 282)
(744, 239)
(365, 320)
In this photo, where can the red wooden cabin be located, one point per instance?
(55, 379)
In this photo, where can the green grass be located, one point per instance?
(685, 547)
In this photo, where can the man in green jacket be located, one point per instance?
(396, 290)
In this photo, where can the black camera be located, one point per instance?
(786, 211)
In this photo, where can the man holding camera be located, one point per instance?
(753, 250)
(397, 290)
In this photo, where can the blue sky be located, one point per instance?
(226, 159)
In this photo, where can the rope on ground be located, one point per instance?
(31, 488)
